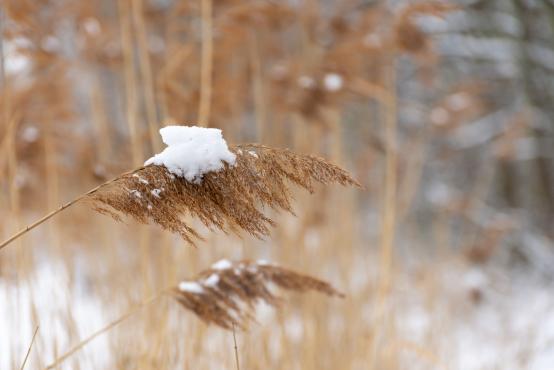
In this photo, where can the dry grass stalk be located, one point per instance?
(29, 349)
(103, 330)
(225, 294)
(229, 200)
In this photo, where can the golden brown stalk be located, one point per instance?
(236, 349)
(206, 64)
(258, 87)
(130, 82)
(389, 204)
(105, 329)
(29, 349)
(55, 212)
(388, 227)
(146, 72)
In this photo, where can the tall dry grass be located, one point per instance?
(119, 44)
(87, 108)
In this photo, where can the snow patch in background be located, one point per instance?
(50, 299)
(333, 82)
(192, 152)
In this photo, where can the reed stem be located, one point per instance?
(106, 328)
(48, 216)
(236, 349)
(206, 64)
(29, 349)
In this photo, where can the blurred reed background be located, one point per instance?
(443, 111)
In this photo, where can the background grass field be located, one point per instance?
(443, 111)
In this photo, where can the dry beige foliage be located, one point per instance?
(230, 200)
(225, 294)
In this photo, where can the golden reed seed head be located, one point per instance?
(230, 200)
(225, 294)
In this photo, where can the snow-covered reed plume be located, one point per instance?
(225, 188)
(225, 294)
(199, 175)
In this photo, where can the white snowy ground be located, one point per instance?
(43, 299)
(482, 319)
(469, 318)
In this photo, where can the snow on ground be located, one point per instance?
(192, 151)
(482, 318)
(469, 318)
(47, 299)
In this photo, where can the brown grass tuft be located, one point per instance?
(408, 35)
(225, 294)
(230, 200)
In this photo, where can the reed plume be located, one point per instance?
(225, 294)
(230, 200)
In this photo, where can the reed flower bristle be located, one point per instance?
(225, 294)
(231, 199)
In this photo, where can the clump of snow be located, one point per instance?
(440, 194)
(253, 153)
(99, 170)
(192, 152)
(15, 59)
(141, 180)
(156, 192)
(212, 280)
(294, 328)
(475, 279)
(333, 82)
(30, 134)
(92, 26)
(263, 262)
(222, 265)
(191, 287)
(136, 193)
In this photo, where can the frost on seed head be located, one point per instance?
(222, 265)
(333, 82)
(212, 280)
(191, 287)
(140, 179)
